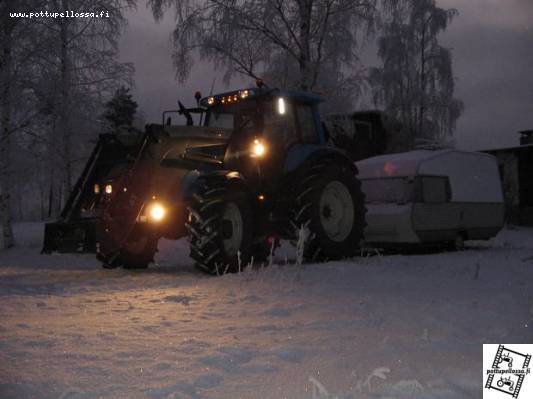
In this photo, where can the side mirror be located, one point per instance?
(184, 111)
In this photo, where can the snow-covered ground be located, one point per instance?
(371, 327)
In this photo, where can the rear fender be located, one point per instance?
(309, 154)
(190, 179)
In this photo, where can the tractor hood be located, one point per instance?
(195, 132)
(189, 147)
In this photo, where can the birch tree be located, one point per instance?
(14, 63)
(7, 27)
(86, 60)
(415, 82)
(251, 37)
(77, 71)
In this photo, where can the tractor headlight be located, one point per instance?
(157, 212)
(108, 189)
(258, 148)
(96, 189)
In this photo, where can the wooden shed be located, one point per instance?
(516, 171)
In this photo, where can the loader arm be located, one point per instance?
(74, 197)
(79, 221)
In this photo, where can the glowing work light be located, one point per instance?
(108, 189)
(157, 212)
(258, 148)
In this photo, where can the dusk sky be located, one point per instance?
(492, 42)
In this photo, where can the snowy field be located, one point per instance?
(396, 326)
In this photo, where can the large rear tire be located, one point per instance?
(220, 226)
(329, 207)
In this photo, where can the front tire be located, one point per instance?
(265, 248)
(220, 226)
(329, 207)
(137, 252)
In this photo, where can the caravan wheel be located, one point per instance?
(458, 244)
(136, 253)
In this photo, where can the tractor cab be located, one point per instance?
(282, 115)
(264, 125)
(253, 131)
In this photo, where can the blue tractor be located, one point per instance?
(255, 169)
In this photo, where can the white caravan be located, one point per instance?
(431, 197)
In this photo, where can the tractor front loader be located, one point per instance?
(78, 226)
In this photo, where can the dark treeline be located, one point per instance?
(55, 76)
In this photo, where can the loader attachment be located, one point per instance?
(73, 236)
(76, 229)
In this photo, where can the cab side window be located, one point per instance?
(306, 122)
(280, 128)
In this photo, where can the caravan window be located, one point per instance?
(392, 189)
(435, 189)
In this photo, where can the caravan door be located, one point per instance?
(435, 217)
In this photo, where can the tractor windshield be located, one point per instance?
(234, 117)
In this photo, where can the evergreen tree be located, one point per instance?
(121, 109)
